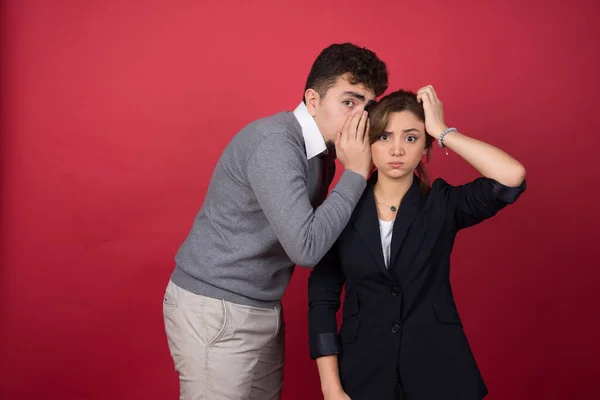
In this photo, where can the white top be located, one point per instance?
(386, 228)
(313, 139)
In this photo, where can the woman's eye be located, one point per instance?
(383, 137)
(411, 139)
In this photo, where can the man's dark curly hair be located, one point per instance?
(362, 65)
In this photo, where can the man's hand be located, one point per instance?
(352, 144)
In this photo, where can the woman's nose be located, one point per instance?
(397, 149)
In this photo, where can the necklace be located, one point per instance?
(392, 208)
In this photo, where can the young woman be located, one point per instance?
(401, 336)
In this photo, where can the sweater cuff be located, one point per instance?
(324, 344)
(351, 186)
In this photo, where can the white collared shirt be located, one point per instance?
(313, 139)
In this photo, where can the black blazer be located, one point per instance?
(402, 320)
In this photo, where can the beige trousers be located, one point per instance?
(222, 350)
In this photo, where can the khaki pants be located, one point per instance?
(222, 350)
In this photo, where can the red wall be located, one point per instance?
(115, 112)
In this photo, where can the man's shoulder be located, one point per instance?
(282, 126)
(280, 123)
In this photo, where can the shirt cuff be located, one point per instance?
(508, 194)
(324, 344)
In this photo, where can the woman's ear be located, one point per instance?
(425, 155)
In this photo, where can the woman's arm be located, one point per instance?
(490, 161)
(325, 285)
(330, 378)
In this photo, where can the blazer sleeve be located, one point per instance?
(325, 285)
(479, 200)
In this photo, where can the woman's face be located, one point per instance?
(398, 150)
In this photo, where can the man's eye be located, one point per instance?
(349, 103)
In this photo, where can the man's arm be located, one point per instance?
(278, 177)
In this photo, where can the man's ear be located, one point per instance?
(312, 98)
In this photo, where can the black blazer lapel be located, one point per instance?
(366, 222)
(407, 212)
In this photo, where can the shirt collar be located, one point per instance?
(313, 139)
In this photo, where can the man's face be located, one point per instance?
(331, 110)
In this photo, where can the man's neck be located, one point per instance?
(330, 146)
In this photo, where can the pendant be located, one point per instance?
(393, 208)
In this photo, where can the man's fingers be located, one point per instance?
(338, 139)
(354, 125)
(362, 123)
(345, 126)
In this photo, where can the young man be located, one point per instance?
(264, 212)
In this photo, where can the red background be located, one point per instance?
(115, 112)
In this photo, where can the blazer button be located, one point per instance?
(395, 291)
(395, 328)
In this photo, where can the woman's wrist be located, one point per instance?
(437, 131)
(331, 388)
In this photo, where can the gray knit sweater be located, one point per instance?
(257, 221)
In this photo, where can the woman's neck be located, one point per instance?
(391, 191)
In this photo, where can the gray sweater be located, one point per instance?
(257, 220)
